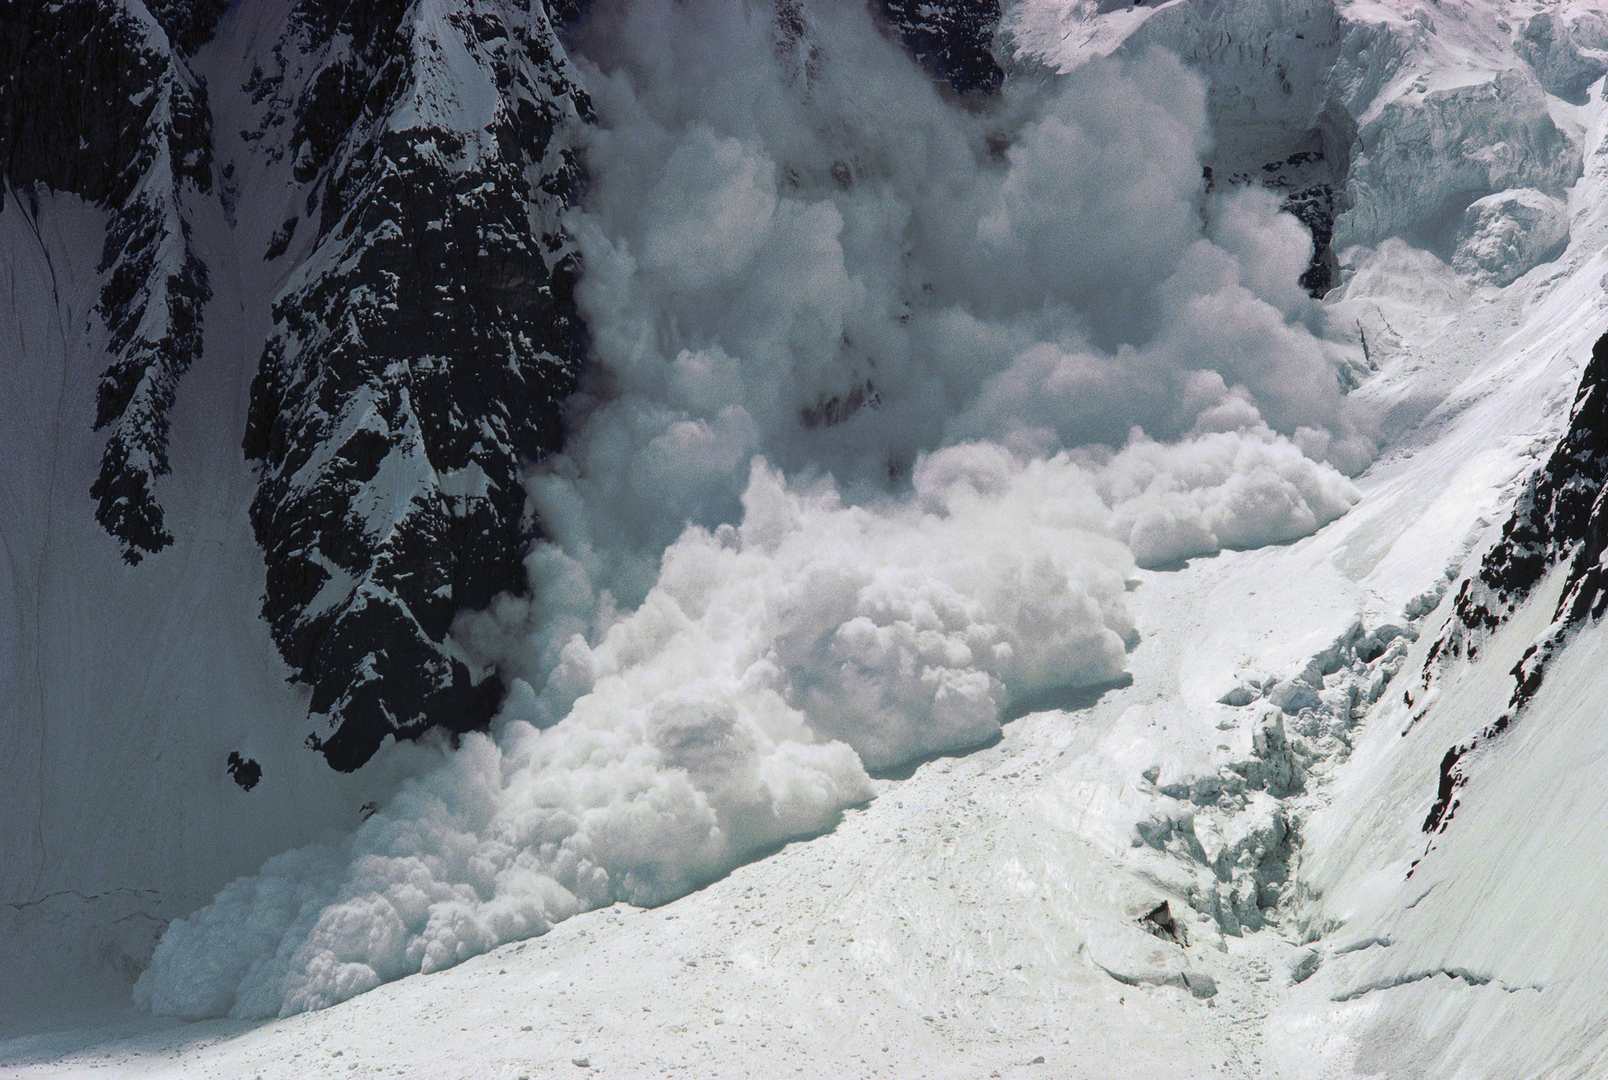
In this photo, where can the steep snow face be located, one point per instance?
(1560, 517)
(1439, 933)
(806, 627)
(148, 228)
(1445, 873)
(123, 689)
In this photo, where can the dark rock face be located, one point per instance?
(421, 350)
(1563, 515)
(1562, 512)
(426, 337)
(1314, 207)
(953, 39)
(97, 102)
(421, 359)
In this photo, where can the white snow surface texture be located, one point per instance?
(904, 411)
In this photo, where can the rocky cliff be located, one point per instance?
(397, 173)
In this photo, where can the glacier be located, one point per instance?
(1092, 538)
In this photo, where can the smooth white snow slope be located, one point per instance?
(981, 914)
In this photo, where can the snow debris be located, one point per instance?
(1240, 826)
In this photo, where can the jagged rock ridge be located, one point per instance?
(421, 353)
(1562, 515)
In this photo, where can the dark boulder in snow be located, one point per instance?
(243, 770)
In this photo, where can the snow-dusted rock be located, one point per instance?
(412, 161)
(1303, 963)
(953, 38)
(1561, 520)
(142, 148)
(1130, 955)
(421, 348)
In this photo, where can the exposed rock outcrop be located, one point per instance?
(954, 39)
(420, 353)
(97, 100)
(1561, 517)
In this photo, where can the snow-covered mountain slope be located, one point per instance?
(1241, 857)
(422, 342)
(1483, 894)
(162, 310)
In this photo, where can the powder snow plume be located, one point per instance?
(887, 395)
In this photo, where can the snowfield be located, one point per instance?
(1132, 773)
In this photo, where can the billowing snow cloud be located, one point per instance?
(887, 396)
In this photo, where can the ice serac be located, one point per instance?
(1418, 114)
(420, 351)
(98, 101)
(1562, 517)
(1567, 48)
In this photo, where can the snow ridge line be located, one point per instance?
(1563, 514)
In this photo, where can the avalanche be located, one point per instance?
(1058, 503)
